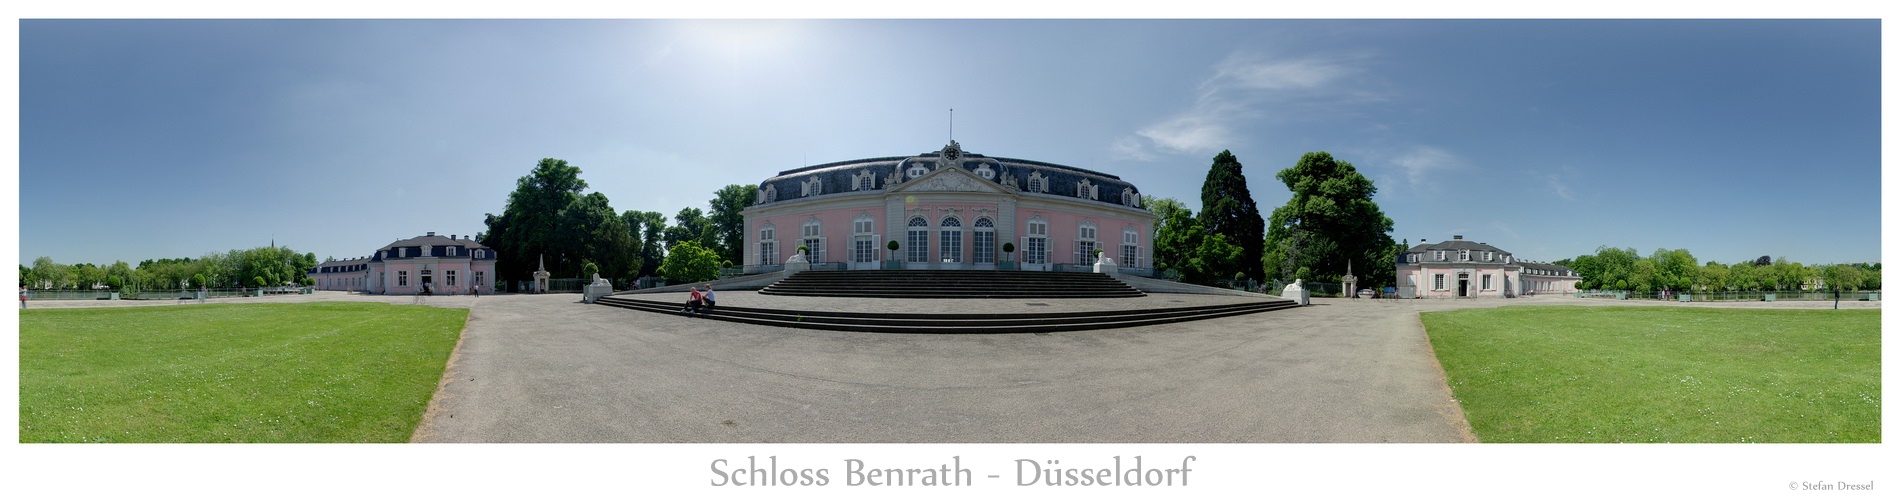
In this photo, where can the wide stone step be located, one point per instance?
(975, 323)
(951, 284)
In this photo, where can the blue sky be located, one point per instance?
(172, 138)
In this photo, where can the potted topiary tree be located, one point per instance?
(893, 262)
(1007, 263)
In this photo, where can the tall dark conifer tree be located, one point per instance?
(1228, 209)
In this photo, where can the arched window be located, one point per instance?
(984, 237)
(917, 240)
(1037, 184)
(950, 239)
(769, 194)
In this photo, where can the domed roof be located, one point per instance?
(1011, 174)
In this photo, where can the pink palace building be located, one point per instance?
(448, 264)
(1459, 268)
(947, 209)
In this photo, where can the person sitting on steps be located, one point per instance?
(709, 301)
(694, 301)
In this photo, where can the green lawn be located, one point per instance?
(313, 372)
(1663, 374)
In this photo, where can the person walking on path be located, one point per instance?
(23, 296)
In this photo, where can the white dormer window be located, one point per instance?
(1129, 198)
(402, 253)
(1412, 258)
(426, 250)
(985, 172)
(1037, 184)
(916, 170)
(769, 194)
(811, 187)
(1464, 256)
(1438, 255)
(451, 251)
(1085, 189)
(1487, 256)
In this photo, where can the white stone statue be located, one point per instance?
(1296, 291)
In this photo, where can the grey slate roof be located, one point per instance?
(835, 177)
(340, 264)
(436, 240)
(1546, 269)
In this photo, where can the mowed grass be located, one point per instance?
(1663, 374)
(311, 372)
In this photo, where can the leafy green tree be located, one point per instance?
(650, 227)
(688, 262)
(1330, 220)
(1227, 208)
(600, 236)
(25, 274)
(1714, 277)
(691, 225)
(529, 226)
(727, 223)
(588, 270)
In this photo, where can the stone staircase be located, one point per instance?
(920, 284)
(954, 323)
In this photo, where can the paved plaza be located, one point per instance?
(546, 368)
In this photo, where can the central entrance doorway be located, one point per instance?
(1464, 284)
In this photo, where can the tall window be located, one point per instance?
(985, 241)
(812, 241)
(950, 240)
(1438, 282)
(402, 278)
(917, 240)
(448, 277)
(1131, 247)
(1036, 248)
(1085, 243)
(1487, 282)
(768, 245)
(478, 279)
(862, 248)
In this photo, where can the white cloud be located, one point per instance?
(1243, 86)
(1420, 163)
(1558, 186)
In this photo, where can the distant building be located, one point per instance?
(948, 209)
(1460, 268)
(448, 264)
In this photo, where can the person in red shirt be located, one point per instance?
(694, 301)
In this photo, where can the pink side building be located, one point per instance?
(447, 265)
(1458, 268)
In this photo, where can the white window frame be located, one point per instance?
(402, 278)
(768, 244)
(949, 240)
(1438, 281)
(1036, 242)
(916, 239)
(1131, 248)
(448, 277)
(811, 234)
(983, 241)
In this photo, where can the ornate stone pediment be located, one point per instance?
(949, 180)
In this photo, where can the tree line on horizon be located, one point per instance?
(1613, 268)
(256, 267)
